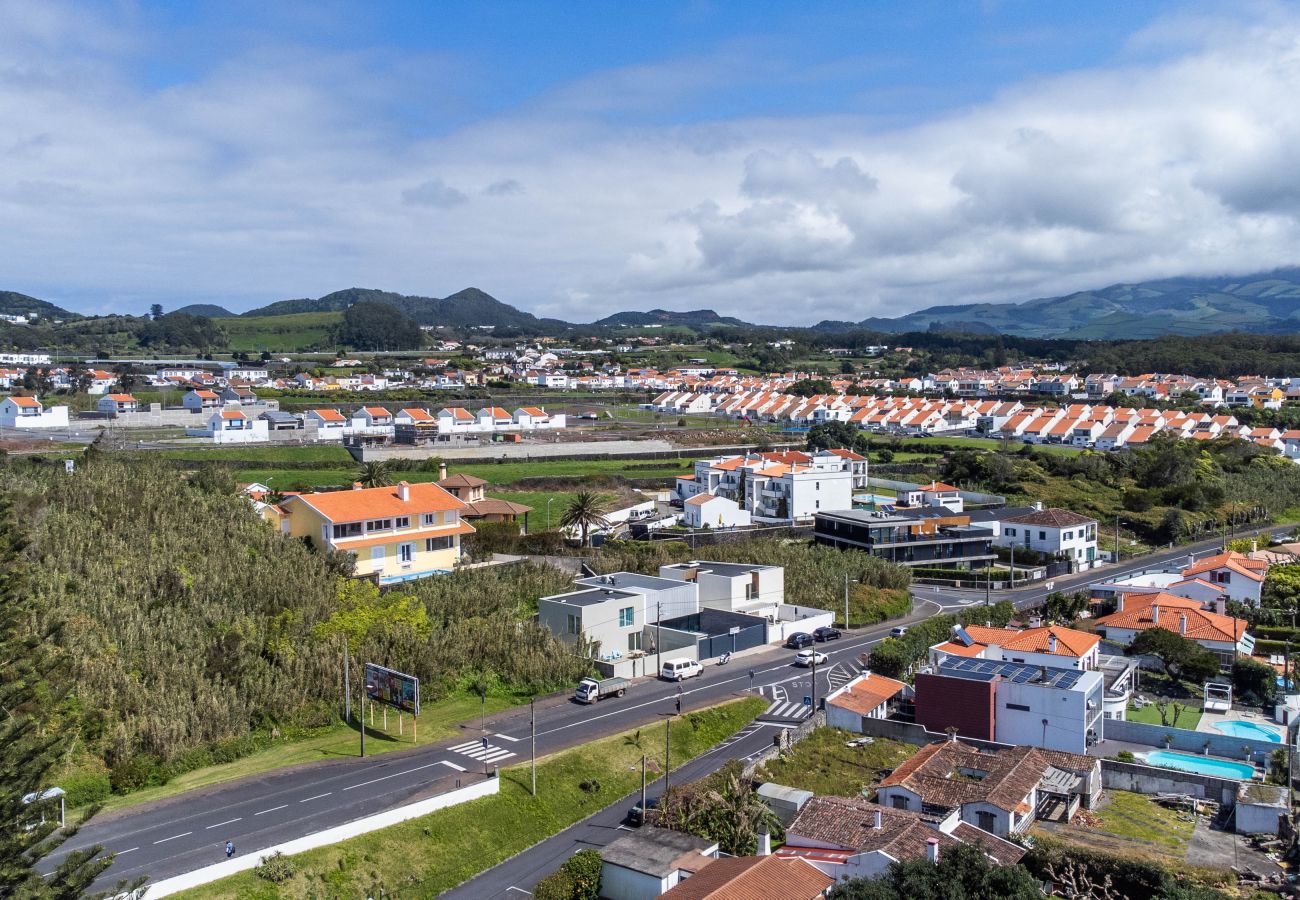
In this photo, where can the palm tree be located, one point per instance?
(375, 474)
(585, 511)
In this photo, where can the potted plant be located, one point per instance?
(1205, 748)
(1169, 740)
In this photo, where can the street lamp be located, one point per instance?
(549, 501)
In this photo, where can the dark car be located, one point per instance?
(637, 816)
(827, 634)
(799, 640)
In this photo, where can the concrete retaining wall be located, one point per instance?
(1140, 779)
(911, 733)
(1187, 740)
(169, 886)
(524, 451)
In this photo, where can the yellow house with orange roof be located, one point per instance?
(397, 533)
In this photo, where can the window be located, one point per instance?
(899, 802)
(1020, 706)
(429, 519)
(633, 641)
(403, 522)
(438, 543)
(1067, 535)
(1011, 532)
(1042, 535)
(817, 504)
(817, 485)
(405, 553)
(379, 525)
(986, 820)
(573, 624)
(626, 617)
(347, 530)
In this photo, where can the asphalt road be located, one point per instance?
(177, 835)
(169, 837)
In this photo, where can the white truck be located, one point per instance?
(590, 690)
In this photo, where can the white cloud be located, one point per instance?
(286, 172)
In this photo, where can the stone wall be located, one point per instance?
(1140, 779)
(1187, 740)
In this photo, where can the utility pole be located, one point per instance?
(347, 684)
(846, 601)
(1117, 540)
(1013, 568)
(814, 680)
(363, 726)
(532, 746)
(659, 633)
(988, 585)
(642, 788)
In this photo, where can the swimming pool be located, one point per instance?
(1249, 730)
(1202, 765)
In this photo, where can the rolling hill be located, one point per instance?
(666, 317)
(207, 310)
(1267, 303)
(14, 304)
(468, 308)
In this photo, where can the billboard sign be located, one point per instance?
(392, 688)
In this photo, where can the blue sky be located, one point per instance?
(782, 162)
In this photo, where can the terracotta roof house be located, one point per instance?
(1055, 644)
(1136, 612)
(1002, 792)
(650, 861)
(754, 878)
(1238, 576)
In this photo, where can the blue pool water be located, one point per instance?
(1249, 730)
(1203, 765)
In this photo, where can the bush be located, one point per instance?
(1125, 756)
(583, 869)
(276, 868)
(135, 772)
(83, 788)
(556, 886)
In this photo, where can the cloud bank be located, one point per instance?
(290, 172)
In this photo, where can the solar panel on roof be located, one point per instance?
(963, 636)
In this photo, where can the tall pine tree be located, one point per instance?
(32, 686)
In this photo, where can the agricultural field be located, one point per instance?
(279, 334)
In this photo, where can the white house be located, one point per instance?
(708, 511)
(29, 412)
(867, 696)
(1236, 575)
(455, 419)
(936, 493)
(1223, 635)
(330, 424)
(736, 587)
(648, 862)
(1049, 645)
(100, 382)
(198, 400)
(492, 418)
(116, 404)
(1052, 531)
(231, 426)
(372, 420)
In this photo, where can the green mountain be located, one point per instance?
(695, 317)
(468, 308)
(1267, 303)
(207, 310)
(15, 304)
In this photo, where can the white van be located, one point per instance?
(680, 669)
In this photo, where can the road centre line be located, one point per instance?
(227, 822)
(317, 797)
(272, 809)
(173, 837)
(394, 775)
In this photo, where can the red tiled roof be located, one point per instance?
(753, 878)
(1201, 625)
(868, 694)
(381, 502)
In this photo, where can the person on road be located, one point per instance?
(230, 849)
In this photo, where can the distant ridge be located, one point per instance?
(668, 317)
(467, 308)
(207, 310)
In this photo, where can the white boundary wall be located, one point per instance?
(169, 886)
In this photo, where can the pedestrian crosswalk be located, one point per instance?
(841, 675)
(739, 736)
(782, 709)
(486, 753)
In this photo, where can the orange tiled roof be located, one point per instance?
(868, 694)
(1254, 569)
(753, 878)
(398, 536)
(1170, 610)
(376, 503)
(28, 402)
(330, 415)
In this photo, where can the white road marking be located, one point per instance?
(272, 809)
(386, 777)
(120, 852)
(317, 797)
(454, 766)
(227, 822)
(506, 737)
(173, 837)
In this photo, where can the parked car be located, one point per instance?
(636, 815)
(898, 631)
(590, 690)
(826, 633)
(808, 658)
(680, 669)
(799, 640)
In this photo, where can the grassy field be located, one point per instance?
(537, 500)
(432, 854)
(279, 333)
(313, 453)
(437, 722)
(821, 763)
(1138, 817)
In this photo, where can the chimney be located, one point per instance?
(1155, 613)
(765, 841)
(356, 485)
(1254, 547)
(442, 471)
(1119, 603)
(1051, 642)
(932, 850)
(1182, 624)
(403, 491)
(876, 823)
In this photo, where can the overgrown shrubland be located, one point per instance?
(196, 633)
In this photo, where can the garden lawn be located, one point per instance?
(537, 500)
(821, 763)
(437, 722)
(1139, 817)
(431, 854)
(1149, 715)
